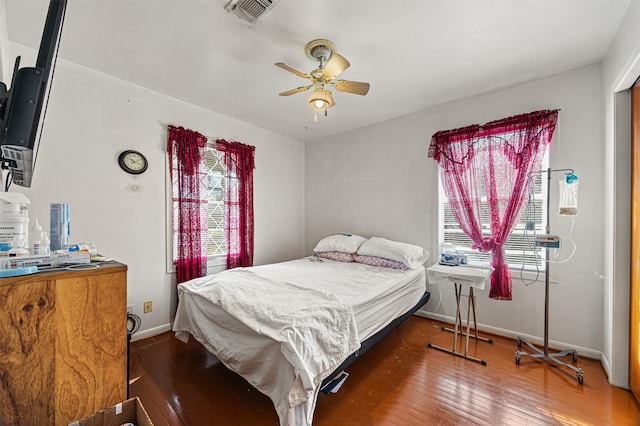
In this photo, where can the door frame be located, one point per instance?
(634, 296)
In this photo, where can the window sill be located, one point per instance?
(529, 276)
(216, 264)
(219, 259)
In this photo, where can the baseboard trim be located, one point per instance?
(144, 334)
(539, 341)
(590, 353)
(607, 369)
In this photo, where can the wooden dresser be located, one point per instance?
(63, 344)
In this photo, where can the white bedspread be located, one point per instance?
(234, 312)
(376, 295)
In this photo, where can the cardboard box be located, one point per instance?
(129, 411)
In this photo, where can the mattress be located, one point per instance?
(377, 295)
(341, 304)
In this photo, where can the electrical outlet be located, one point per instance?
(129, 309)
(148, 306)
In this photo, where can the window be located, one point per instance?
(211, 203)
(520, 252)
(503, 155)
(212, 184)
(213, 191)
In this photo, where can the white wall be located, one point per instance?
(378, 181)
(93, 117)
(5, 60)
(621, 69)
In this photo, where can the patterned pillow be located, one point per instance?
(380, 261)
(336, 255)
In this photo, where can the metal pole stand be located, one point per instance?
(553, 357)
(471, 306)
(544, 353)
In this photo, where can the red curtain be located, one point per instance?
(238, 202)
(186, 149)
(497, 156)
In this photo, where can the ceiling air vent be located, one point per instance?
(251, 11)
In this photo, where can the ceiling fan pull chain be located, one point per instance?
(315, 116)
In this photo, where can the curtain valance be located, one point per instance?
(492, 162)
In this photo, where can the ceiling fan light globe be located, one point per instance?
(321, 99)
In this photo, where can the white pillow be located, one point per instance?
(345, 243)
(411, 255)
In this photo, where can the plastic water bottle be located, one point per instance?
(59, 226)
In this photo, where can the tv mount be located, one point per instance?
(23, 106)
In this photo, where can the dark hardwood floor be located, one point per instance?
(400, 381)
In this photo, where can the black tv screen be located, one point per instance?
(23, 105)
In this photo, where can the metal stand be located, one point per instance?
(544, 353)
(471, 305)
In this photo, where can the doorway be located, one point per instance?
(634, 308)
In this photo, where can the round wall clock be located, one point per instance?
(132, 162)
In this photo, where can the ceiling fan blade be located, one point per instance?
(336, 66)
(293, 70)
(296, 90)
(356, 87)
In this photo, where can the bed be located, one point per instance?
(289, 327)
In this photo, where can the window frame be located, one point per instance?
(524, 271)
(216, 262)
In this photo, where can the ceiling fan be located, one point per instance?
(330, 66)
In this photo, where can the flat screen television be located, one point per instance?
(23, 105)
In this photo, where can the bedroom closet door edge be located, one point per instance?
(634, 317)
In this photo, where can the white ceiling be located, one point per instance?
(415, 54)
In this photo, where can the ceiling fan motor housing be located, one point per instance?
(321, 53)
(320, 50)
